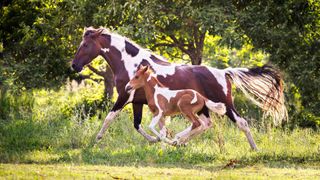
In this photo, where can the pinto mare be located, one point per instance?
(165, 102)
(263, 85)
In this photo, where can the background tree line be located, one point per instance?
(39, 39)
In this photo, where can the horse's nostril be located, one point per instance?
(73, 66)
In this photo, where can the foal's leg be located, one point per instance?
(163, 129)
(121, 101)
(204, 116)
(137, 113)
(196, 128)
(154, 122)
(242, 125)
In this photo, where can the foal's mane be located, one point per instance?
(151, 73)
(106, 31)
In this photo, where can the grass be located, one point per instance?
(69, 171)
(54, 136)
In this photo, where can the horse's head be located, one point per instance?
(89, 48)
(138, 79)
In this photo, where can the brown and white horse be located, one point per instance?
(165, 102)
(263, 85)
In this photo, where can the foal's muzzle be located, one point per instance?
(128, 88)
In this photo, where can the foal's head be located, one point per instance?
(89, 48)
(139, 78)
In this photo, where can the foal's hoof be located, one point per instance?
(175, 143)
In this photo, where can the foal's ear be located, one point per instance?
(145, 68)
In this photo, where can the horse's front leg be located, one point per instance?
(137, 114)
(120, 103)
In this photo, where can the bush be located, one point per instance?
(42, 119)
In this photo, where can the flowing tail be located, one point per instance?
(219, 108)
(264, 86)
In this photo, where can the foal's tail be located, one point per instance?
(219, 108)
(264, 86)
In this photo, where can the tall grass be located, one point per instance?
(60, 127)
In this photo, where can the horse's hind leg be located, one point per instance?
(242, 125)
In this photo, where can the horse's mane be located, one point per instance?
(114, 34)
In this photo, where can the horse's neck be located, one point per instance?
(112, 58)
(124, 62)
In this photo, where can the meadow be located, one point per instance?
(47, 133)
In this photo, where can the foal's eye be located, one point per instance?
(136, 77)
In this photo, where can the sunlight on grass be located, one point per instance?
(121, 172)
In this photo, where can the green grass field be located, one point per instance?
(222, 152)
(57, 140)
(67, 171)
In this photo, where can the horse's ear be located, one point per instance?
(97, 33)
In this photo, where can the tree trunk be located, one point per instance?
(196, 59)
(108, 84)
(193, 46)
(107, 79)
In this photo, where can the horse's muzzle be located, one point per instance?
(76, 68)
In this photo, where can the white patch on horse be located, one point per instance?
(194, 100)
(131, 96)
(220, 76)
(241, 123)
(165, 92)
(105, 50)
(129, 62)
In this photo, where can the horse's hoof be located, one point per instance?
(154, 140)
(98, 138)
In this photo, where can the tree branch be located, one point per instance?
(100, 73)
(180, 45)
(163, 44)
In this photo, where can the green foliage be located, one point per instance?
(289, 31)
(38, 38)
(43, 119)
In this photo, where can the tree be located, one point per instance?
(170, 24)
(108, 80)
(36, 43)
(289, 31)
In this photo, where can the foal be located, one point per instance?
(164, 102)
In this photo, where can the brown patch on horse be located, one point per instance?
(131, 49)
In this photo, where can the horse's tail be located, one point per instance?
(264, 86)
(219, 108)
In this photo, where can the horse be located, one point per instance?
(165, 102)
(263, 85)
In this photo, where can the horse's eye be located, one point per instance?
(87, 33)
(136, 77)
(85, 45)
